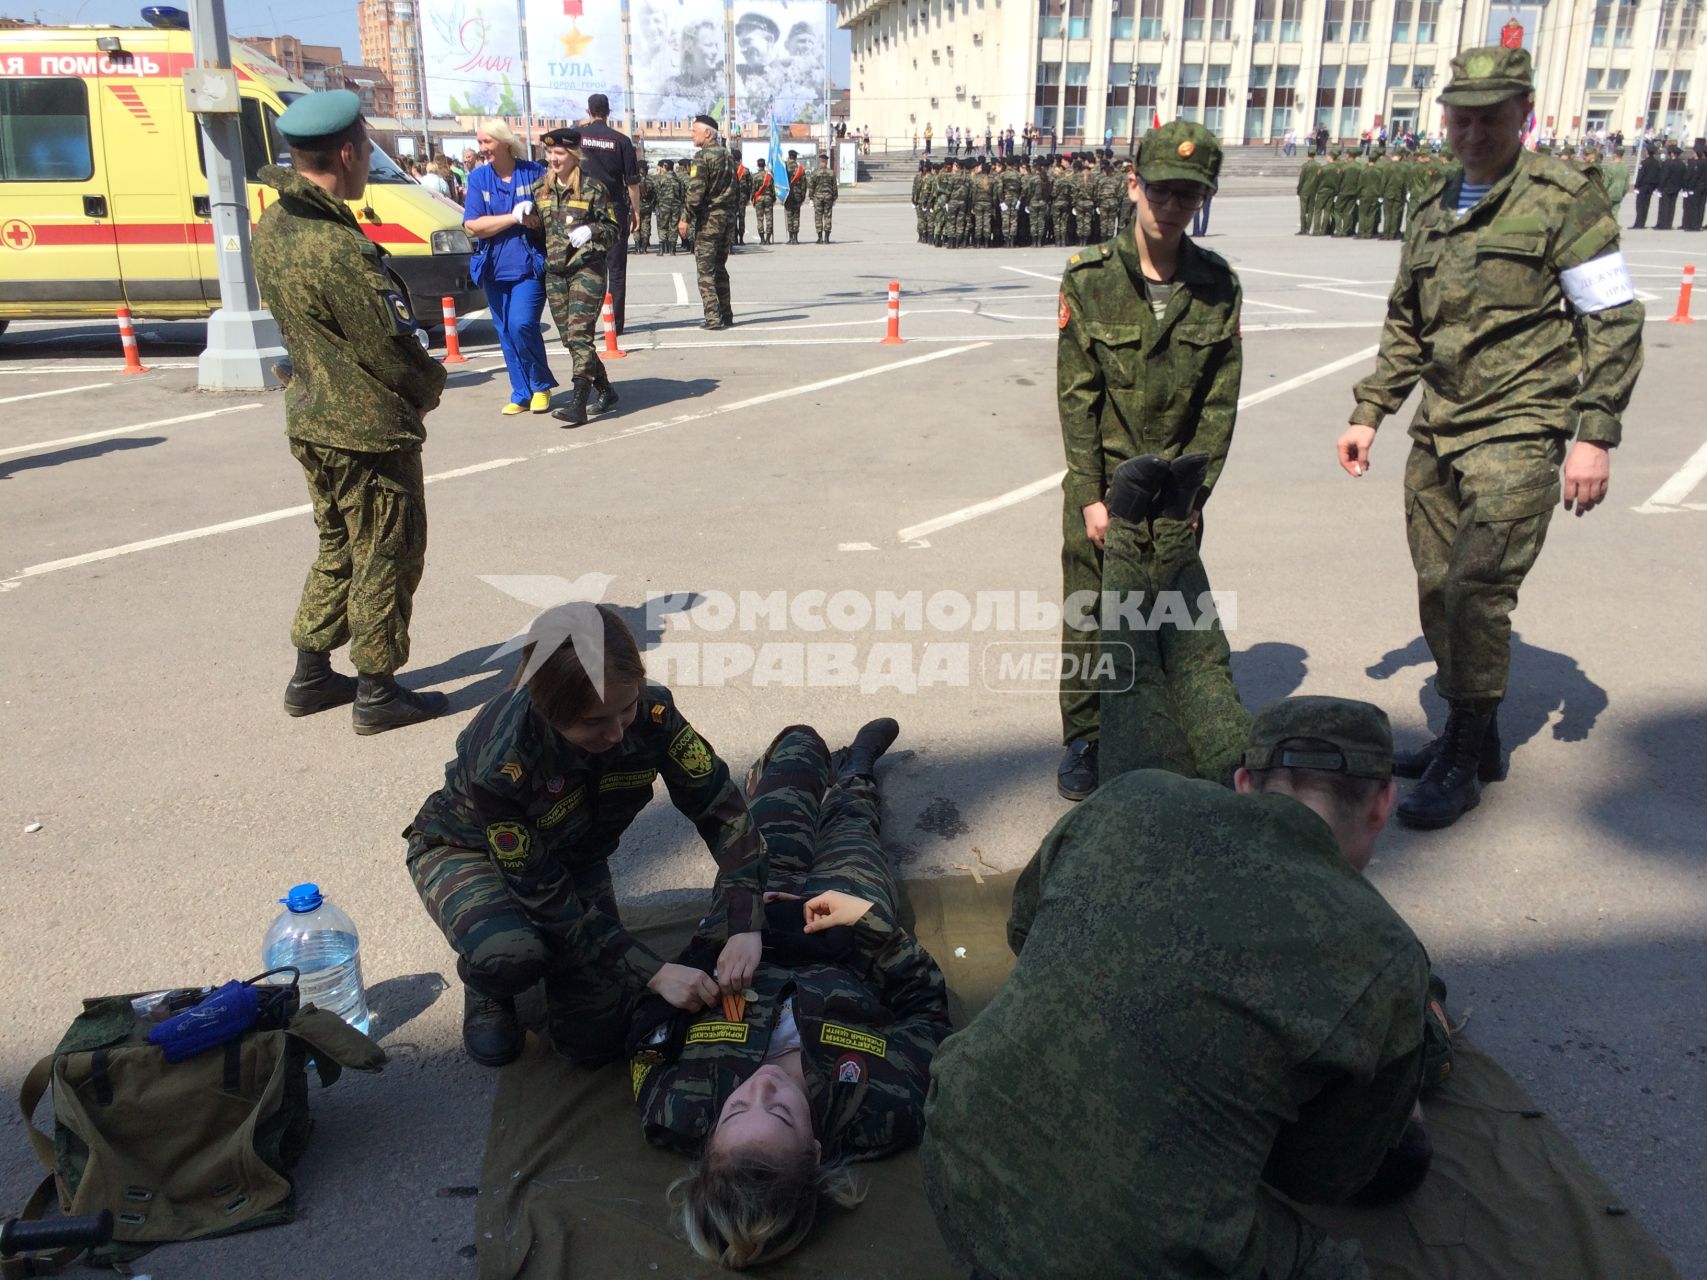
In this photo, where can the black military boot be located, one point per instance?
(1077, 776)
(1136, 485)
(315, 686)
(868, 746)
(382, 703)
(1493, 766)
(1450, 788)
(490, 1031)
(575, 412)
(606, 400)
(1185, 482)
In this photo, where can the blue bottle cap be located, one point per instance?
(303, 898)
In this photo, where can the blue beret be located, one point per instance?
(315, 115)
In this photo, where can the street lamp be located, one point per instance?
(1132, 110)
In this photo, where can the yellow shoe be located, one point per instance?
(541, 402)
(513, 408)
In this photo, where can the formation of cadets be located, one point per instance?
(1667, 173)
(985, 201)
(664, 189)
(1371, 197)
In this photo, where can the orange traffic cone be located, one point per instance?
(608, 319)
(127, 335)
(453, 340)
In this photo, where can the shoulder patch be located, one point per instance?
(637, 1073)
(850, 1069)
(403, 319)
(690, 752)
(1064, 315)
(510, 843)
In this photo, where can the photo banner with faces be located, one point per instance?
(679, 59)
(781, 47)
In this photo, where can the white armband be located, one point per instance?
(1598, 284)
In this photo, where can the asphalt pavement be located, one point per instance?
(900, 503)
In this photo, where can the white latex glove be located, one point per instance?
(1004, 206)
(579, 236)
(522, 209)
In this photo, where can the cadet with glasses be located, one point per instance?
(1148, 362)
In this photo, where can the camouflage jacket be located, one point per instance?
(1127, 383)
(868, 1026)
(1206, 997)
(543, 809)
(764, 189)
(669, 191)
(983, 191)
(1110, 188)
(711, 186)
(562, 211)
(796, 187)
(1010, 187)
(362, 380)
(917, 196)
(1328, 181)
(823, 187)
(1479, 315)
(648, 191)
(1309, 173)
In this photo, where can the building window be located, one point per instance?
(1124, 12)
(1262, 28)
(1689, 22)
(1292, 20)
(1050, 18)
(1428, 14)
(1624, 34)
(1333, 21)
(1285, 91)
(1397, 75)
(1602, 20)
(44, 131)
(1149, 95)
(1047, 100)
(1215, 97)
(1668, 14)
(1256, 103)
(1190, 91)
(1079, 19)
(1194, 19)
(1221, 19)
(1422, 77)
(1402, 21)
(1677, 115)
(1617, 78)
(1325, 88)
(1150, 19)
(1360, 20)
(1119, 111)
(1351, 101)
(1078, 93)
(1591, 81)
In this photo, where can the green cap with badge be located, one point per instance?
(1180, 151)
(319, 115)
(1335, 735)
(1491, 74)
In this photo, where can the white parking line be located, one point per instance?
(1670, 496)
(63, 391)
(1023, 272)
(122, 431)
(915, 534)
(285, 513)
(681, 288)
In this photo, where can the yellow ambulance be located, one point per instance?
(103, 190)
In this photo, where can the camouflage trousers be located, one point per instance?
(1322, 218)
(1304, 216)
(740, 223)
(820, 831)
(1061, 212)
(1393, 219)
(1108, 221)
(765, 217)
(502, 952)
(822, 213)
(922, 213)
(667, 220)
(711, 244)
(370, 510)
(1368, 216)
(983, 217)
(1345, 216)
(643, 237)
(1167, 696)
(576, 299)
(1081, 571)
(1476, 521)
(792, 215)
(1010, 224)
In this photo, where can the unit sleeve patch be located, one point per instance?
(510, 843)
(690, 752)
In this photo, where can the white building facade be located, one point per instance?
(1099, 71)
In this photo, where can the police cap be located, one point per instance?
(1344, 736)
(1481, 77)
(320, 115)
(1180, 151)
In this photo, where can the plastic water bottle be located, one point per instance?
(321, 941)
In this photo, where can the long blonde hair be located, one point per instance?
(747, 1208)
(500, 132)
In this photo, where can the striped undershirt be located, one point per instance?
(1471, 193)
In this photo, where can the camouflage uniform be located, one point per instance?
(709, 211)
(670, 190)
(1084, 205)
(1326, 196)
(1309, 177)
(869, 1024)
(1395, 175)
(983, 205)
(575, 278)
(1207, 999)
(1010, 191)
(743, 195)
(1128, 383)
(648, 202)
(824, 189)
(1371, 182)
(510, 858)
(353, 414)
(1168, 701)
(764, 205)
(795, 199)
(921, 197)
(1061, 204)
(1111, 194)
(1347, 196)
(1509, 373)
(1036, 207)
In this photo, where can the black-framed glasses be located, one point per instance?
(1187, 198)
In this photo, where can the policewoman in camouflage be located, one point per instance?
(1513, 308)
(708, 214)
(829, 1060)
(1209, 1001)
(360, 386)
(509, 857)
(1148, 361)
(580, 226)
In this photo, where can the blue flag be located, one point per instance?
(779, 171)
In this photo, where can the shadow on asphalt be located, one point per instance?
(651, 393)
(1652, 796)
(34, 462)
(1543, 681)
(398, 1001)
(1268, 671)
